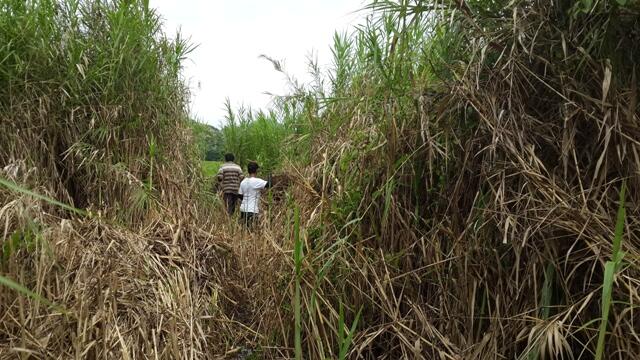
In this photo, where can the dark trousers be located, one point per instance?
(230, 200)
(248, 218)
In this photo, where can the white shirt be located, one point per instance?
(250, 190)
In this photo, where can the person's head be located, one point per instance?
(252, 167)
(228, 157)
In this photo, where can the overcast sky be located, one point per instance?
(231, 34)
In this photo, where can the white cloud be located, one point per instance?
(232, 34)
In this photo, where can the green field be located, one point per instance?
(210, 168)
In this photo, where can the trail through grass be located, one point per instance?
(452, 181)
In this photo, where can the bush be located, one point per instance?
(92, 103)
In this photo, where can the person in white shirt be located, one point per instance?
(249, 190)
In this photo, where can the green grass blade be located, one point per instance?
(609, 274)
(5, 281)
(617, 240)
(16, 188)
(609, 271)
(344, 348)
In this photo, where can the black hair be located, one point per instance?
(229, 157)
(252, 167)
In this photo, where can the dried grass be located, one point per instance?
(461, 190)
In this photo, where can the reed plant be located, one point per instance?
(458, 182)
(99, 190)
(452, 190)
(255, 136)
(93, 103)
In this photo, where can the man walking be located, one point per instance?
(229, 177)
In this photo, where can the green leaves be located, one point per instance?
(102, 75)
(587, 5)
(258, 136)
(620, 219)
(345, 341)
(26, 238)
(610, 269)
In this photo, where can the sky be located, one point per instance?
(231, 35)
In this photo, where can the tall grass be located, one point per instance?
(7, 252)
(297, 305)
(346, 339)
(93, 117)
(10, 185)
(255, 136)
(92, 101)
(611, 267)
(456, 182)
(454, 186)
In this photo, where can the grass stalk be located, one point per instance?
(345, 341)
(610, 269)
(19, 189)
(5, 281)
(297, 303)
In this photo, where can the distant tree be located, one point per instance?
(209, 140)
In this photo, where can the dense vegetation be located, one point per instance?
(92, 103)
(456, 186)
(255, 136)
(93, 115)
(209, 141)
(460, 183)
